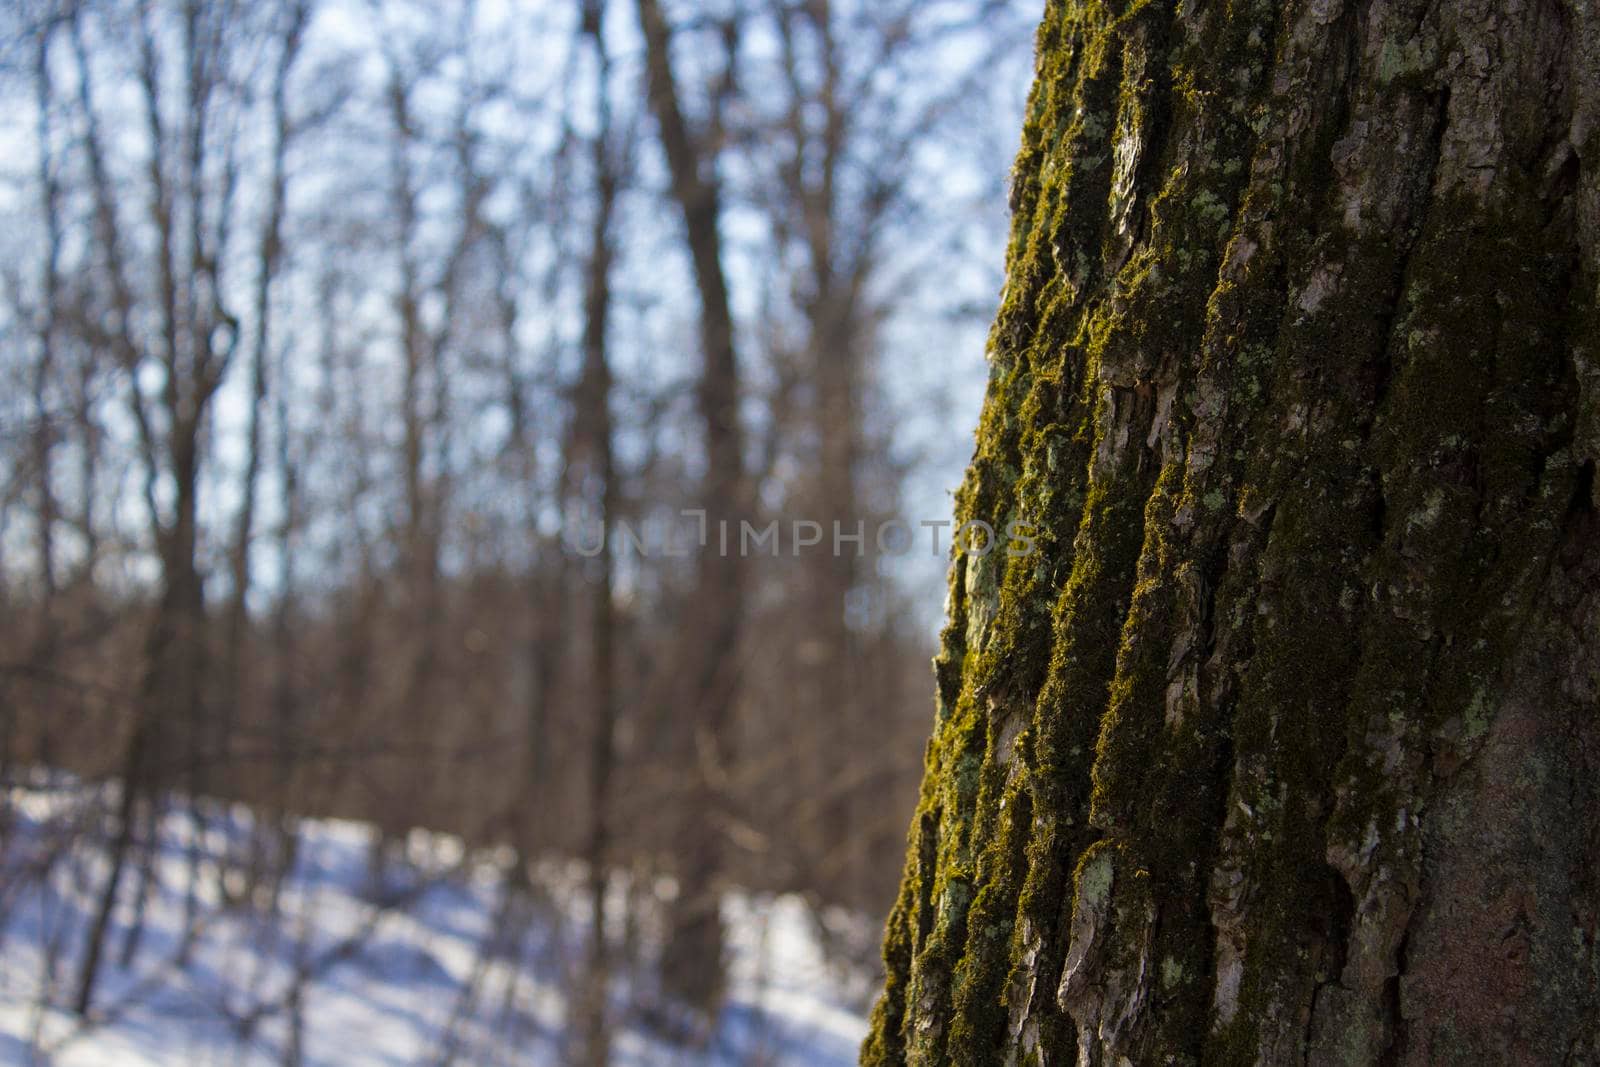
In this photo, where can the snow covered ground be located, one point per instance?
(442, 973)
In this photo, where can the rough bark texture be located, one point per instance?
(1282, 745)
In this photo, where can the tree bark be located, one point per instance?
(1280, 745)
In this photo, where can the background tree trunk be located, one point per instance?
(1281, 745)
(692, 965)
(594, 424)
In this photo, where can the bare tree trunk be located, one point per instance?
(132, 768)
(44, 431)
(419, 548)
(116, 857)
(1280, 746)
(43, 646)
(194, 341)
(284, 695)
(829, 297)
(692, 960)
(268, 259)
(593, 412)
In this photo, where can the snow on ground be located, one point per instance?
(443, 972)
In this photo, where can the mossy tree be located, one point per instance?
(1282, 744)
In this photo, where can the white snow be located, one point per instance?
(384, 984)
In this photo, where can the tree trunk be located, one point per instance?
(1280, 745)
(594, 409)
(692, 963)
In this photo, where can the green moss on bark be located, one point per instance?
(1301, 406)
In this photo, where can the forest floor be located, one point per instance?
(437, 971)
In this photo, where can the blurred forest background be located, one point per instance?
(326, 324)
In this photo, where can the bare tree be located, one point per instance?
(325, 340)
(190, 179)
(269, 257)
(593, 422)
(692, 961)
